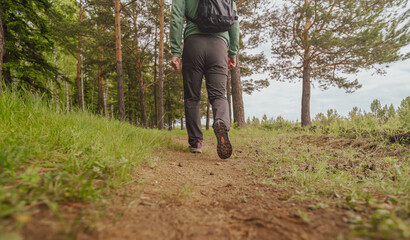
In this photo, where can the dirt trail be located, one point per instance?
(187, 196)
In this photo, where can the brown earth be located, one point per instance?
(198, 196)
(189, 196)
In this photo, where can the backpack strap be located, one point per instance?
(196, 22)
(191, 19)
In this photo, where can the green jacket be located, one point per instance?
(181, 8)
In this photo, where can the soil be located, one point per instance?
(199, 196)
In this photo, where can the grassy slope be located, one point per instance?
(370, 179)
(47, 155)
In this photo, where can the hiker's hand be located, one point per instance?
(231, 63)
(176, 63)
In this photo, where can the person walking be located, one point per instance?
(210, 48)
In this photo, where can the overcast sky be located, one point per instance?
(284, 99)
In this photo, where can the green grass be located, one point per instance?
(48, 156)
(358, 175)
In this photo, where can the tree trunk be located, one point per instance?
(118, 51)
(140, 75)
(95, 83)
(82, 84)
(155, 123)
(161, 67)
(207, 114)
(155, 78)
(79, 90)
(182, 123)
(306, 96)
(229, 95)
(101, 103)
(15, 80)
(169, 122)
(237, 100)
(142, 97)
(58, 77)
(2, 44)
(105, 98)
(112, 107)
(307, 70)
(67, 96)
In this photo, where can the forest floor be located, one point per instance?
(189, 196)
(295, 185)
(180, 195)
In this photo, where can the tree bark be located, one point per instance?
(82, 84)
(101, 102)
(207, 114)
(307, 70)
(170, 122)
(79, 89)
(229, 95)
(67, 91)
(155, 78)
(306, 96)
(58, 77)
(118, 51)
(142, 97)
(161, 67)
(237, 100)
(112, 107)
(95, 83)
(106, 95)
(2, 44)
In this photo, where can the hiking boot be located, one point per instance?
(224, 147)
(196, 148)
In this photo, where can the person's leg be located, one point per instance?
(216, 73)
(193, 72)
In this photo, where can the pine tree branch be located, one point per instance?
(125, 5)
(324, 22)
(155, 82)
(240, 3)
(338, 64)
(297, 51)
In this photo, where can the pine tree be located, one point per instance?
(237, 99)
(78, 79)
(160, 117)
(251, 29)
(2, 43)
(120, 80)
(325, 40)
(28, 43)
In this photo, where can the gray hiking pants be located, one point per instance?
(204, 55)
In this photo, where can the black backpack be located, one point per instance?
(214, 16)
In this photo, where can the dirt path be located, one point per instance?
(187, 196)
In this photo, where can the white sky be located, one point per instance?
(284, 99)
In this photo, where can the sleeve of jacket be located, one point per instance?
(177, 23)
(234, 38)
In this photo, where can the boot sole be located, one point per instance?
(224, 147)
(195, 150)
